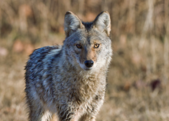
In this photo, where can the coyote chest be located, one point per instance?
(78, 88)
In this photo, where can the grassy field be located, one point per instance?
(138, 78)
(133, 94)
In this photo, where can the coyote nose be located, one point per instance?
(89, 63)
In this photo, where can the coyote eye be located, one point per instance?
(96, 45)
(79, 46)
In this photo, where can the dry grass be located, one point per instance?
(138, 80)
(129, 94)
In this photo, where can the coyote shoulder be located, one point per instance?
(70, 80)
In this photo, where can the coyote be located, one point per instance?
(70, 80)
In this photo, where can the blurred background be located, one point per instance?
(138, 78)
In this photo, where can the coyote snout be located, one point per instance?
(70, 80)
(89, 63)
(87, 56)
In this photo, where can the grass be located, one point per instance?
(129, 94)
(138, 78)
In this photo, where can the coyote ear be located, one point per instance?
(72, 23)
(103, 23)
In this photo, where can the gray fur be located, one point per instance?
(57, 80)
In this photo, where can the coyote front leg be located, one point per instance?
(93, 108)
(66, 113)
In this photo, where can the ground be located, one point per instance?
(132, 93)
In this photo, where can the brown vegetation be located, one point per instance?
(138, 79)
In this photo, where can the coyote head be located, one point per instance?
(87, 45)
